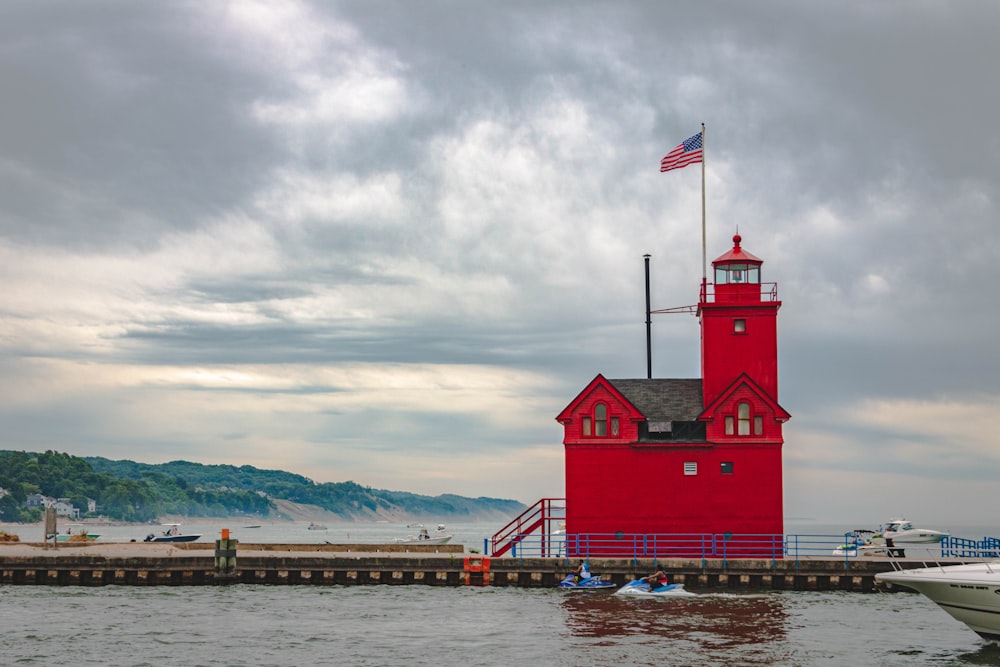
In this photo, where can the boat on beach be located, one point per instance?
(76, 532)
(171, 534)
(316, 526)
(970, 593)
(423, 536)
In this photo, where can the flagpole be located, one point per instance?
(704, 249)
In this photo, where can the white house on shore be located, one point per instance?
(62, 506)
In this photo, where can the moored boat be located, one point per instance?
(901, 531)
(863, 542)
(76, 532)
(316, 526)
(969, 593)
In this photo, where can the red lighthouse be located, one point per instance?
(687, 456)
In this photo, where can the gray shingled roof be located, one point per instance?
(664, 400)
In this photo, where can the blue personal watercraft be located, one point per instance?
(586, 584)
(641, 588)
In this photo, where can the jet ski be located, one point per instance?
(640, 588)
(587, 584)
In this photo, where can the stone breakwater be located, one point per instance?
(142, 564)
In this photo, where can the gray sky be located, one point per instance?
(390, 241)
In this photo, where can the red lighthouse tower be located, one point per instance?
(686, 456)
(739, 325)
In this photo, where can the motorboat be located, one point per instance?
(594, 583)
(423, 536)
(862, 542)
(970, 593)
(316, 526)
(640, 588)
(901, 531)
(854, 550)
(171, 534)
(76, 532)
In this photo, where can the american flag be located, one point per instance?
(687, 152)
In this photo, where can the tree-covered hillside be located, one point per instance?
(130, 491)
(347, 499)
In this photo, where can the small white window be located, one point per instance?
(690, 468)
(739, 326)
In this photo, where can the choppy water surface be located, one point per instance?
(417, 625)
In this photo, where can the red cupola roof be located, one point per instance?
(737, 255)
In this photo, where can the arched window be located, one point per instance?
(740, 425)
(600, 420)
(599, 424)
(743, 419)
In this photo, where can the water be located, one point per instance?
(416, 625)
(274, 532)
(420, 625)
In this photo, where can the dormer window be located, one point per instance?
(600, 420)
(744, 423)
(599, 424)
(743, 419)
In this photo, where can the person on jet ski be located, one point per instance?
(582, 572)
(655, 580)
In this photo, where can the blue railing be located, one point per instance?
(961, 547)
(733, 546)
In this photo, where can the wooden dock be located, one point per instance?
(197, 564)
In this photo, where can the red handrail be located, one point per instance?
(538, 516)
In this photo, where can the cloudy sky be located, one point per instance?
(389, 241)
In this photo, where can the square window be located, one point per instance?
(690, 468)
(739, 326)
(727, 467)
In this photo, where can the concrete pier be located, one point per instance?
(194, 564)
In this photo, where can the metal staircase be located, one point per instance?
(545, 521)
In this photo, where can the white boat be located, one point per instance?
(171, 534)
(316, 526)
(970, 593)
(640, 588)
(862, 542)
(901, 531)
(855, 550)
(440, 536)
